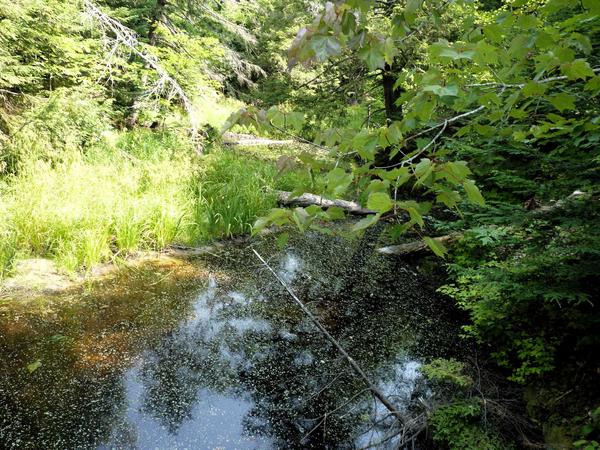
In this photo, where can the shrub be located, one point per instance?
(460, 426)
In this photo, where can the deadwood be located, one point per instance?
(304, 200)
(415, 247)
(121, 35)
(355, 367)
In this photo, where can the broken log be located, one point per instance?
(414, 247)
(546, 209)
(286, 199)
(249, 140)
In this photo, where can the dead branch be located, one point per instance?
(371, 387)
(411, 248)
(286, 199)
(126, 37)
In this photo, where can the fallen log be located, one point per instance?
(414, 247)
(547, 209)
(249, 140)
(286, 199)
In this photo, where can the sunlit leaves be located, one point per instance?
(593, 84)
(415, 211)
(578, 69)
(366, 222)
(473, 193)
(533, 89)
(410, 12)
(562, 101)
(276, 217)
(442, 91)
(390, 51)
(455, 172)
(448, 197)
(423, 170)
(442, 50)
(485, 53)
(365, 144)
(436, 246)
(335, 213)
(373, 54)
(380, 202)
(325, 47)
(394, 133)
(338, 181)
(282, 240)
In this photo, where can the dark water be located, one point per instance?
(215, 355)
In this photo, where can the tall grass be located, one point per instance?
(83, 212)
(79, 192)
(231, 191)
(137, 190)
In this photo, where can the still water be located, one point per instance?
(212, 354)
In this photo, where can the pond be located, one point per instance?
(213, 353)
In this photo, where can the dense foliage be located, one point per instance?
(477, 117)
(502, 95)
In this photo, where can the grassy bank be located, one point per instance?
(133, 190)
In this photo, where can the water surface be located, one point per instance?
(216, 355)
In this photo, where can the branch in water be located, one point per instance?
(371, 387)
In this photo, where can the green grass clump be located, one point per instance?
(134, 190)
(128, 193)
(231, 191)
(74, 189)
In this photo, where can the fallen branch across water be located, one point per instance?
(370, 386)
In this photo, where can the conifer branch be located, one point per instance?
(127, 37)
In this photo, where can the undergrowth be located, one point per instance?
(133, 190)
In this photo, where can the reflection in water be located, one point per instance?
(236, 365)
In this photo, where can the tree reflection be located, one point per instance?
(259, 346)
(241, 340)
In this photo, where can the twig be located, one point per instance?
(376, 392)
(443, 125)
(323, 72)
(522, 85)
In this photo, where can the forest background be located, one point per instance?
(480, 118)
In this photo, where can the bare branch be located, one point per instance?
(370, 386)
(239, 30)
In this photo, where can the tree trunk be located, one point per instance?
(390, 96)
(392, 110)
(155, 20)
